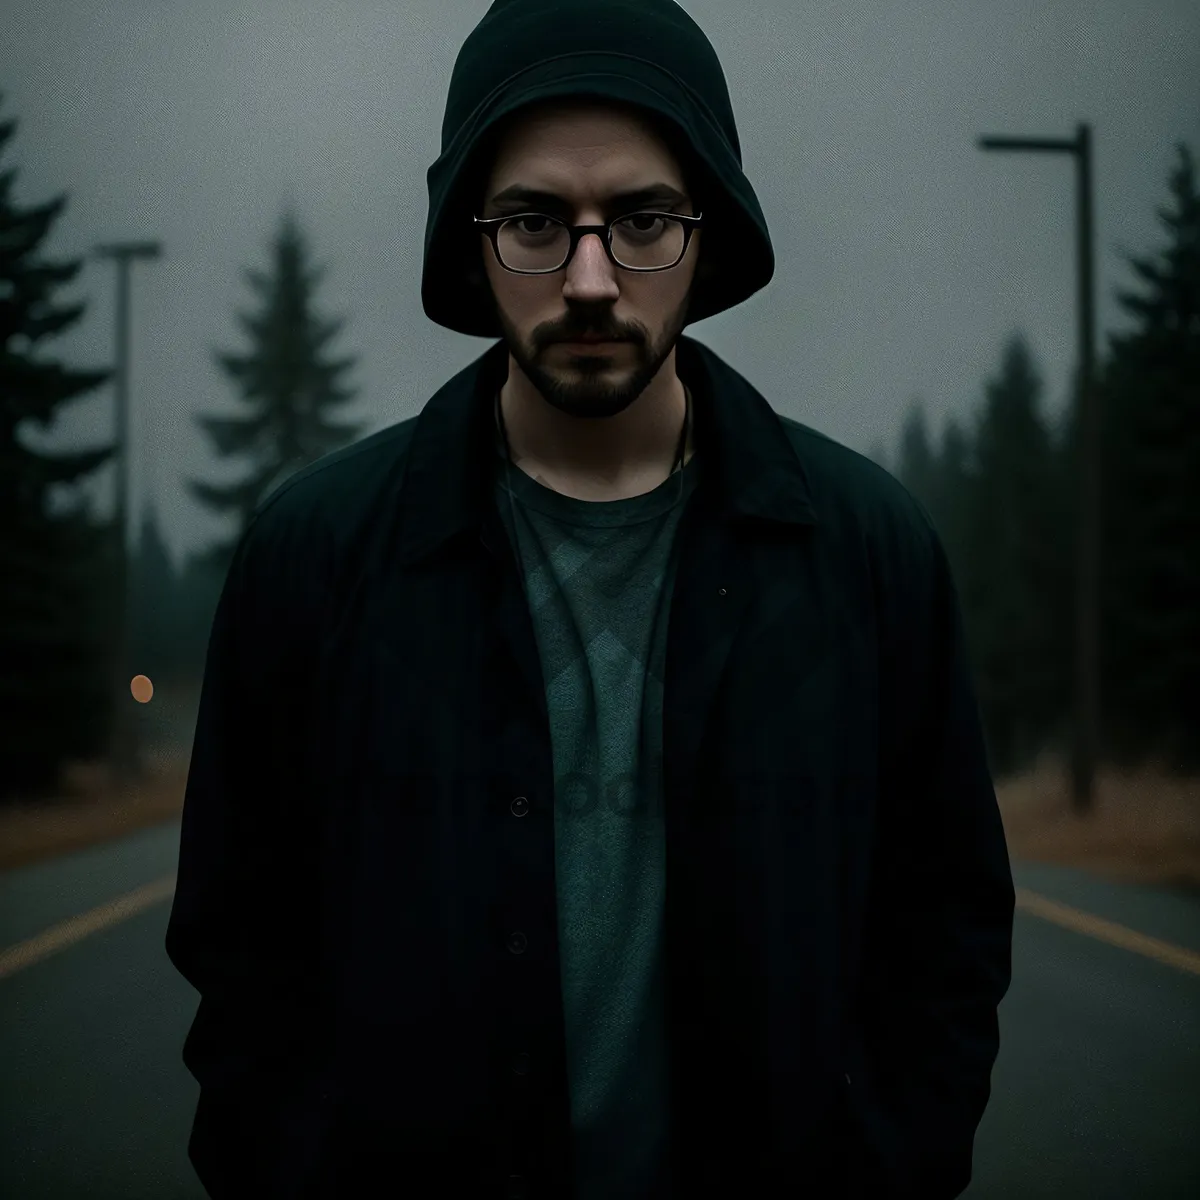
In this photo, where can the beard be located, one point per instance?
(595, 385)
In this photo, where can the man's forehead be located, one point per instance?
(550, 193)
(541, 153)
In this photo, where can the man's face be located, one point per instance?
(585, 156)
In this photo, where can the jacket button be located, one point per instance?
(520, 1063)
(520, 806)
(517, 942)
(516, 1188)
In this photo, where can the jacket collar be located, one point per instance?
(449, 471)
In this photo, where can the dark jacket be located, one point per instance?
(366, 897)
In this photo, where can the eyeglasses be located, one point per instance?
(640, 241)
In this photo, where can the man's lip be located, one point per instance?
(569, 340)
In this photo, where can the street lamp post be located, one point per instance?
(124, 750)
(1087, 578)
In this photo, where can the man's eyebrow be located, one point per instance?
(655, 193)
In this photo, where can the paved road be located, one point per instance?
(1096, 1092)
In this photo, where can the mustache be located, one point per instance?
(583, 335)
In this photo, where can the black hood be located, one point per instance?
(648, 53)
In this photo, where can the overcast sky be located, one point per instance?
(905, 255)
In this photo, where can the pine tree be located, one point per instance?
(939, 479)
(1016, 566)
(198, 590)
(55, 696)
(286, 385)
(1150, 400)
(953, 494)
(916, 465)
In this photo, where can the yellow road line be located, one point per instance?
(1108, 931)
(67, 933)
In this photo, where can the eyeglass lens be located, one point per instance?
(641, 241)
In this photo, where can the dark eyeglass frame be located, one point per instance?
(490, 227)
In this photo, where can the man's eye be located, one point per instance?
(534, 224)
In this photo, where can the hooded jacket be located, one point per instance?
(644, 52)
(378, 908)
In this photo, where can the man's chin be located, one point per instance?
(591, 384)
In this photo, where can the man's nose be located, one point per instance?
(591, 274)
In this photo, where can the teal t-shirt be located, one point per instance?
(598, 581)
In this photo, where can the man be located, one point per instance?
(588, 796)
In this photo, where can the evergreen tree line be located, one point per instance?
(1000, 495)
(1003, 497)
(59, 607)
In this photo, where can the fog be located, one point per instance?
(905, 255)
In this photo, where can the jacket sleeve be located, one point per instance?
(241, 927)
(940, 913)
